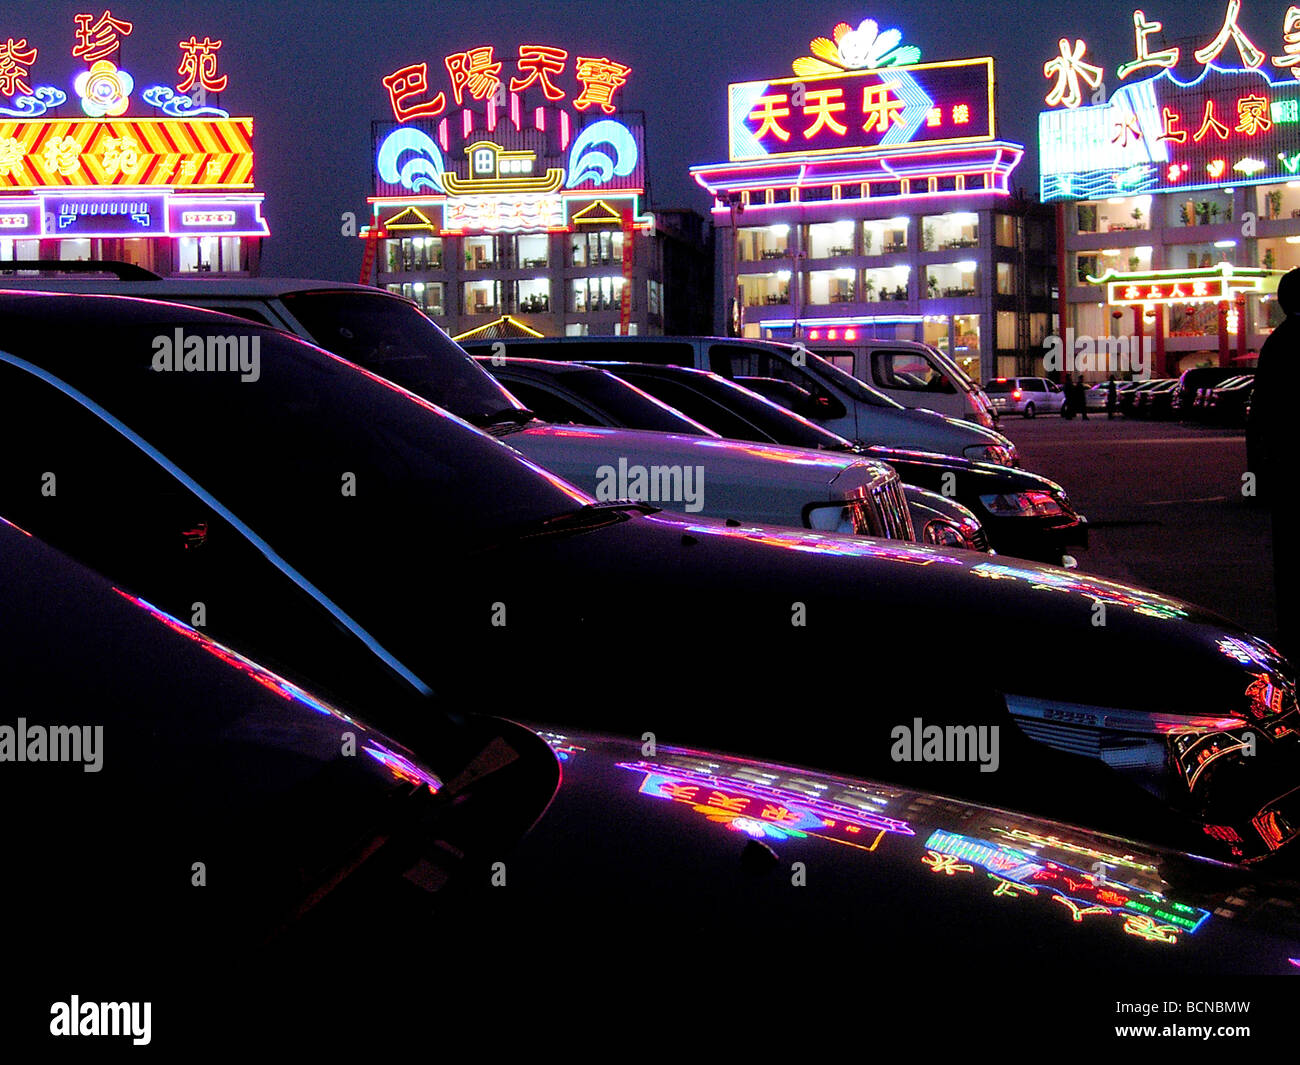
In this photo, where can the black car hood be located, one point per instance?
(720, 853)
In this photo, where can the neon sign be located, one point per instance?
(864, 48)
(15, 60)
(212, 153)
(199, 63)
(890, 107)
(476, 73)
(98, 38)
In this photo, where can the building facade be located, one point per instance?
(155, 174)
(869, 196)
(520, 210)
(1177, 193)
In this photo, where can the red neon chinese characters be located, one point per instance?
(540, 62)
(98, 38)
(880, 108)
(15, 58)
(600, 79)
(1171, 119)
(819, 103)
(408, 82)
(961, 114)
(1126, 130)
(199, 63)
(1211, 123)
(934, 116)
(473, 70)
(769, 109)
(1252, 115)
(1250, 55)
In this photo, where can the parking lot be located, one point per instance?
(1165, 505)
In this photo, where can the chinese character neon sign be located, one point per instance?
(15, 59)
(892, 107)
(476, 73)
(98, 38)
(199, 63)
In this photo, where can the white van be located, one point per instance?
(914, 375)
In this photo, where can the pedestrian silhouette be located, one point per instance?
(1081, 397)
(1112, 397)
(1271, 448)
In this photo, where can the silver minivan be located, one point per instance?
(914, 375)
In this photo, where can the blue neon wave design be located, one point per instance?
(423, 170)
(42, 99)
(177, 106)
(266, 549)
(589, 163)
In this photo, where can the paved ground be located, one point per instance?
(1166, 507)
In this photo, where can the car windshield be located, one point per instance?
(629, 406)
(773, 423)
(846, 382)
(274, 447)
(390, 336)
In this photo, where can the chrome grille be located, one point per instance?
(886, 509)
(978, 540)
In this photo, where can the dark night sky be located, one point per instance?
(310, 73)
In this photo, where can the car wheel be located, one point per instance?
(1029, 410)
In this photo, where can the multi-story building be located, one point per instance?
(869, 195)
(1177, 194)
(521, 211)
(153, 174)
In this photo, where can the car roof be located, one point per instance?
(229, 287)
(547, 367)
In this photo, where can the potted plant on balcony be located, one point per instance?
(928, 237)
(932, 283)
(1275, 204)
(869, 287)
(1137, 217)
(1087, 218)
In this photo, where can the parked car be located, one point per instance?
(1227, 403)
(914, 375)
(821, 392)
(569, 393)
(1128, 399)
(1027, 396)
(317, 506)
(1150, 402)
(388, 335)
(1194, 381)
(293, 866)
(1097, 397)
(1023, 514)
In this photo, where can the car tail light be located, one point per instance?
(1016, 394)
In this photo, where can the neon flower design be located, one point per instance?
(866, 48)
(105, 91)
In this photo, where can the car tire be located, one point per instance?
(1029, 410)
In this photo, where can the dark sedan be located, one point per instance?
(312, 505)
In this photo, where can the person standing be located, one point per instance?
(1112, 397)
(1271, 452)
(1081, 397)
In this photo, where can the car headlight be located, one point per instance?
(1032, 504)
(1002, 454)
(943, 533)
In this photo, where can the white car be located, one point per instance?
(1027, 396)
